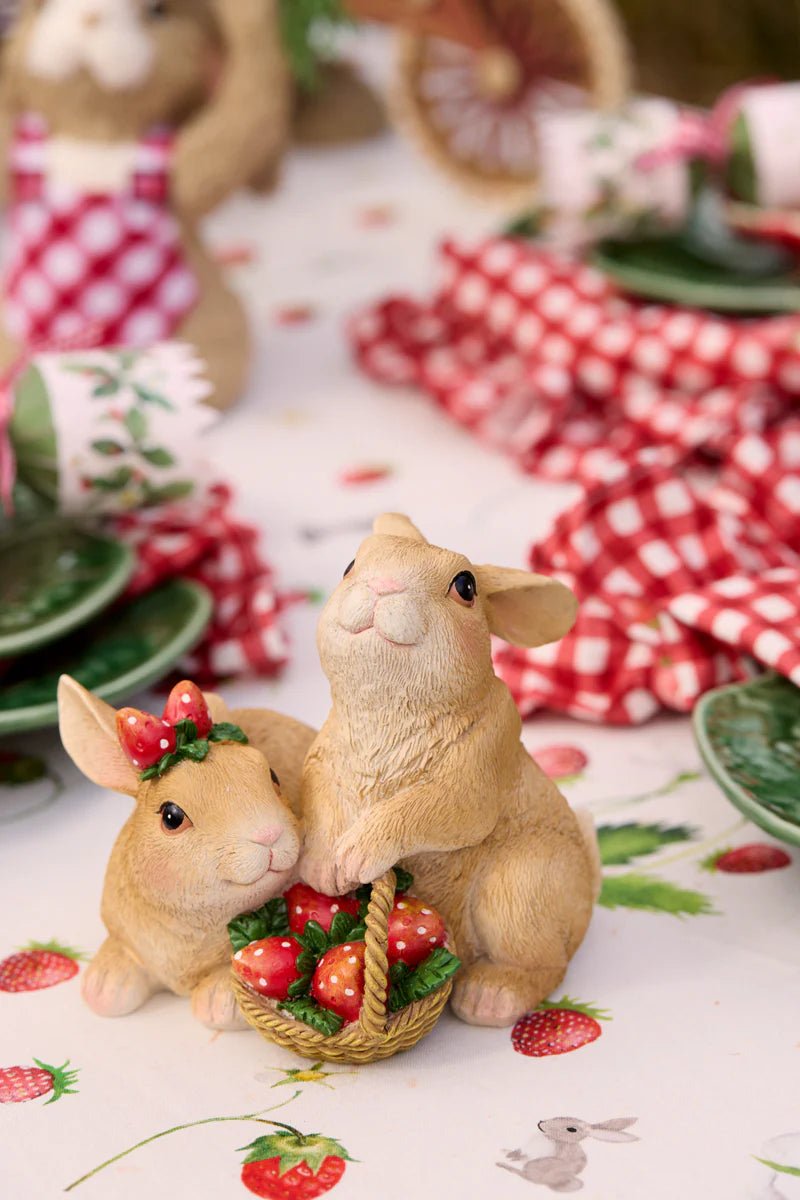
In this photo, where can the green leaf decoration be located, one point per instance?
(225, 732)
(54, 947)
(648, 894)
(109, 387)
(161, 767)
(158, 457)
(300, 986)
(170, 492)
(405, 880)
(303, 24)
(314, 938)
(588, 1010)
(341, 929)
(63, 1080)
(307, 1010)
(620, 844)
(136, 424)
(107, 447)
(115, 482)
(195, 751)
(17, 770)
(306, 962)
(773, 1166)
(436, 969)
(271, 920)
(293, 1149)
(148, 396)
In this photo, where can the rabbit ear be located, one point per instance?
(611, 1131)
(397, 525)
(525, 609)
(89, 732)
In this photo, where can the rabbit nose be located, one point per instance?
(267, 836)
(385, 587)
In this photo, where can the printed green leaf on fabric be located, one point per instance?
(620, 844)
(649, 894)
(293, 1149)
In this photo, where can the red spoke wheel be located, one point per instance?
(475, 111)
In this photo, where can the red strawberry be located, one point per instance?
(18, 1084)
(356, 476)
(338, 982)
(414, 930)
(292, 1166)
(557, 1028)
(748, 860)
(304, 905)
(144, 738)
(561, 762)
(187, 703)
(269, 965)
(39, 965)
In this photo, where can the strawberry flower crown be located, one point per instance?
(184, 731)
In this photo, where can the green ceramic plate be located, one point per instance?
(125, 651)
(749, 736)
(53, 579)
(663, 269)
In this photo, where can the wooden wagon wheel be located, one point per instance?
(474, 111)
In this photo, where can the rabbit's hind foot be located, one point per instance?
(487, 993)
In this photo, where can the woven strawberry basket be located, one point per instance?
(378, 1033)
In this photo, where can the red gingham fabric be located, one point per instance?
(207, 543)
(108, 259)
(541, 357)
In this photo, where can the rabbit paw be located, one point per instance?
(114, 985)
(486, 995)
(214, 1005)
(318, 871)
(359, 860)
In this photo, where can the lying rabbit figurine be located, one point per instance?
(420, 760)
(207, 840)
(120, 146)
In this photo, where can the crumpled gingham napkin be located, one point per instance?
(685, 547)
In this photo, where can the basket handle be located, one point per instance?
(376, 963)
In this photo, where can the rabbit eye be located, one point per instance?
(174, 819)
(156, 9)
(349, 569)
(464, 589)
(276, 782)
(572, 1129)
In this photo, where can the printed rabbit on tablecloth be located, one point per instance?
(558, 1165)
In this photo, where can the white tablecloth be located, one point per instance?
(703, 1044)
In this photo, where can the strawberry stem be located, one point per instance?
(256, 1116)
(63, 1080)
(54, 947)
(588, 1010)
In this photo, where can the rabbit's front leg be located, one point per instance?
(115, 984)
(213, 1002)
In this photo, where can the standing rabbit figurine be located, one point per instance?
(421, 760)
(559, 1170)
(129, 121)
(213, 834)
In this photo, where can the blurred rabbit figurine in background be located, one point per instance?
(559, 1170)
(207, 840)
(421, 760)
(129, 121)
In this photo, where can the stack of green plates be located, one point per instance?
(749, 736)
(60, 612)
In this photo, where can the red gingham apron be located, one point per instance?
(109, 260)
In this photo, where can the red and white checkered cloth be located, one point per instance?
(77, 260)
(205, 542)
(680, 585)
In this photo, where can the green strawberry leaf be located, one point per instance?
(299, 987)
(293, 1149)
(196, 751)
(435, 970)
(307, 1010)
(620, 844)
(773, 1166)
(405, 880)
(148, 396)
(271, 920)
(54, 947)
(588, 1010)
(341, 929)
(185, 731)
(161, 767)
(710, 862)
(226, 732)
(306, 962)
(63, 1080)
(648, 894)
(314, 938)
